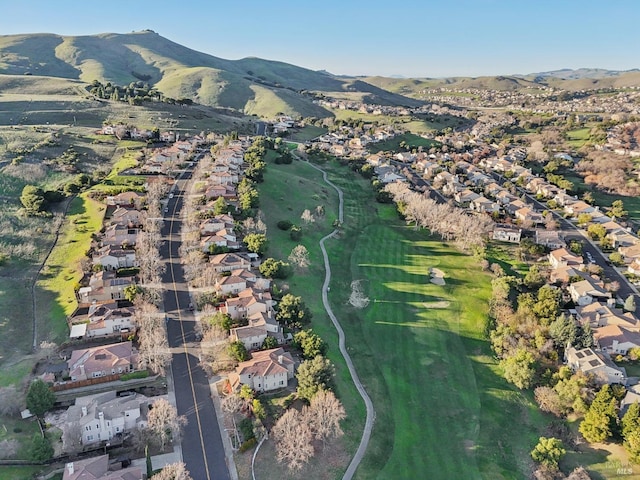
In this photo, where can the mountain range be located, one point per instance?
(251, 85)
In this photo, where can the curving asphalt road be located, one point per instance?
(371, 413)
(202, 447)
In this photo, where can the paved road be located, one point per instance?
(202, 447)
(371, 413)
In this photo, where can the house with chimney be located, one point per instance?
(266, 371)
(103, 319)
(96, 362)
(99, 468)
(106, 416)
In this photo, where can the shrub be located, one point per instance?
(295, 233)
(249, 444)
(134, 375)
(284, 225)
(246, 429)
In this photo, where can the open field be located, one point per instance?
(393, 145)
(418, 349)
(306, 133)
(577, 138)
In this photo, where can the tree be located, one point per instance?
(630, 304)
(72, 438)
(238, 351)
(269, 343)
(292, 311)
(272, 268)
(10, 401)
(563, 330)
(220, 206)
(548, 452)
(617, 210)
(616, 258)
(40, 398)
(258, 409)
(299, 256)
(533, 278)
(596, 231)
(549, 401)
(310, 343)
(325, 414)
(584, 218)
(632, 445)
(173, 471)
(314, 375)
(292, 434)
(307, 217)
(40, 449)
(163, 422)
(547, 306)
(631, 420)
(588, 198)
(33, 199)
(256, 243)
(600, 422)
(519, 368)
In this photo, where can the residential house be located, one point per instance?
(503, 197)
(586, 291)
(103, 360)
(104, 285)
(224, 178)
(507, 233)
(112, 257)
(119, 235)
(106, 416)
(103, 319)
(127, 199)
(246, 305)
(601, 315)
(630, 253)
(230, 285)
(616, 339)
(634, 267)
(484, 205)
(215, 224)
(620, 237)
(579, 207)
(549, 238)
(226, 262)
(514, 205)
(266, 371)
(528, 215)
(563, 258)
(596, 364)
(465, 197)
(98, 468)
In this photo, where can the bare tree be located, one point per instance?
(233, 404)
(11, 401)
(164, 422)
(72, 438)
(299, 256)
(154, 348)
(325, 414)
(307, 217)
(293, 437)
(173, 471)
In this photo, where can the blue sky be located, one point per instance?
(412, 38)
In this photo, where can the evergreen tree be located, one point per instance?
(601, 421)
(631, 419)
(40, 398)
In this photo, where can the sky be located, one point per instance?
(409, 38)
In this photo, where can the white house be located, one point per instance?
(267, 370)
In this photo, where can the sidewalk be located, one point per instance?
(226, 441)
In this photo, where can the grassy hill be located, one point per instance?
(250, 85)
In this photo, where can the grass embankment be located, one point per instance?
(55, 290)
(412, 141)
(308, 132)
(443, 410)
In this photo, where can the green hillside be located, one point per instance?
(250, 85)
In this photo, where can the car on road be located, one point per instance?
(171, 195)
(590, 257)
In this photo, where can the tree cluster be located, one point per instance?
(295, 430)
(449, 222)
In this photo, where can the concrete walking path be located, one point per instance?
(371, 414)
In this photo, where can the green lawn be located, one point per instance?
(442, 408)
(55, 292)
(578, 137)
(306, 133)
(393, 144)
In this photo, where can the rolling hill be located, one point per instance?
(251, 85)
